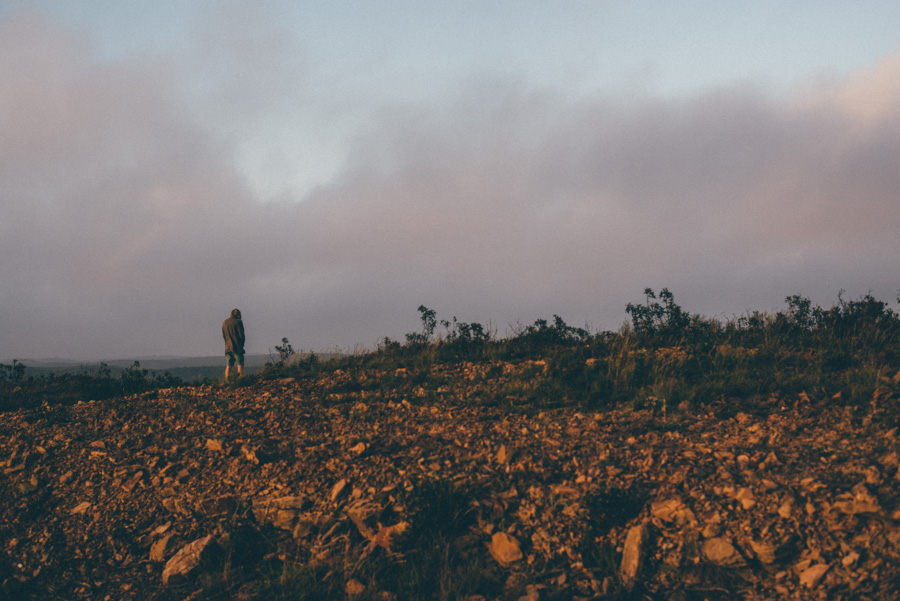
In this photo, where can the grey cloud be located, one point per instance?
(128, 227)
(727, 193)
(245, 62)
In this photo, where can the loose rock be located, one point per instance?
(505, 549)
(188, 560)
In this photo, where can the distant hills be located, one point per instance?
(187, 368)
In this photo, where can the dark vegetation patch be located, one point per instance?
(665, 358)
(18, 390)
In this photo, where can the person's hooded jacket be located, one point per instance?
(233, 333)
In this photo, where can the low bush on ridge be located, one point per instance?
(19, 391)
(665, 356)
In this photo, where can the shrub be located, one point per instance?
(289, 363)
(665, 322)
(429, 322)
(16, 371)
(285, 351)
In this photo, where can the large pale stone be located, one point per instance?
(505, 549)
(812, 576)
(722, 553)
(632, 555)
(188, 560)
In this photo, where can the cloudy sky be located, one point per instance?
(327, 167)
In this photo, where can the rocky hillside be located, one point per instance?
(404, 485)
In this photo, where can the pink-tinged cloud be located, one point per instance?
(128, 226)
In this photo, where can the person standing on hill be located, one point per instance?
(233, 333)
